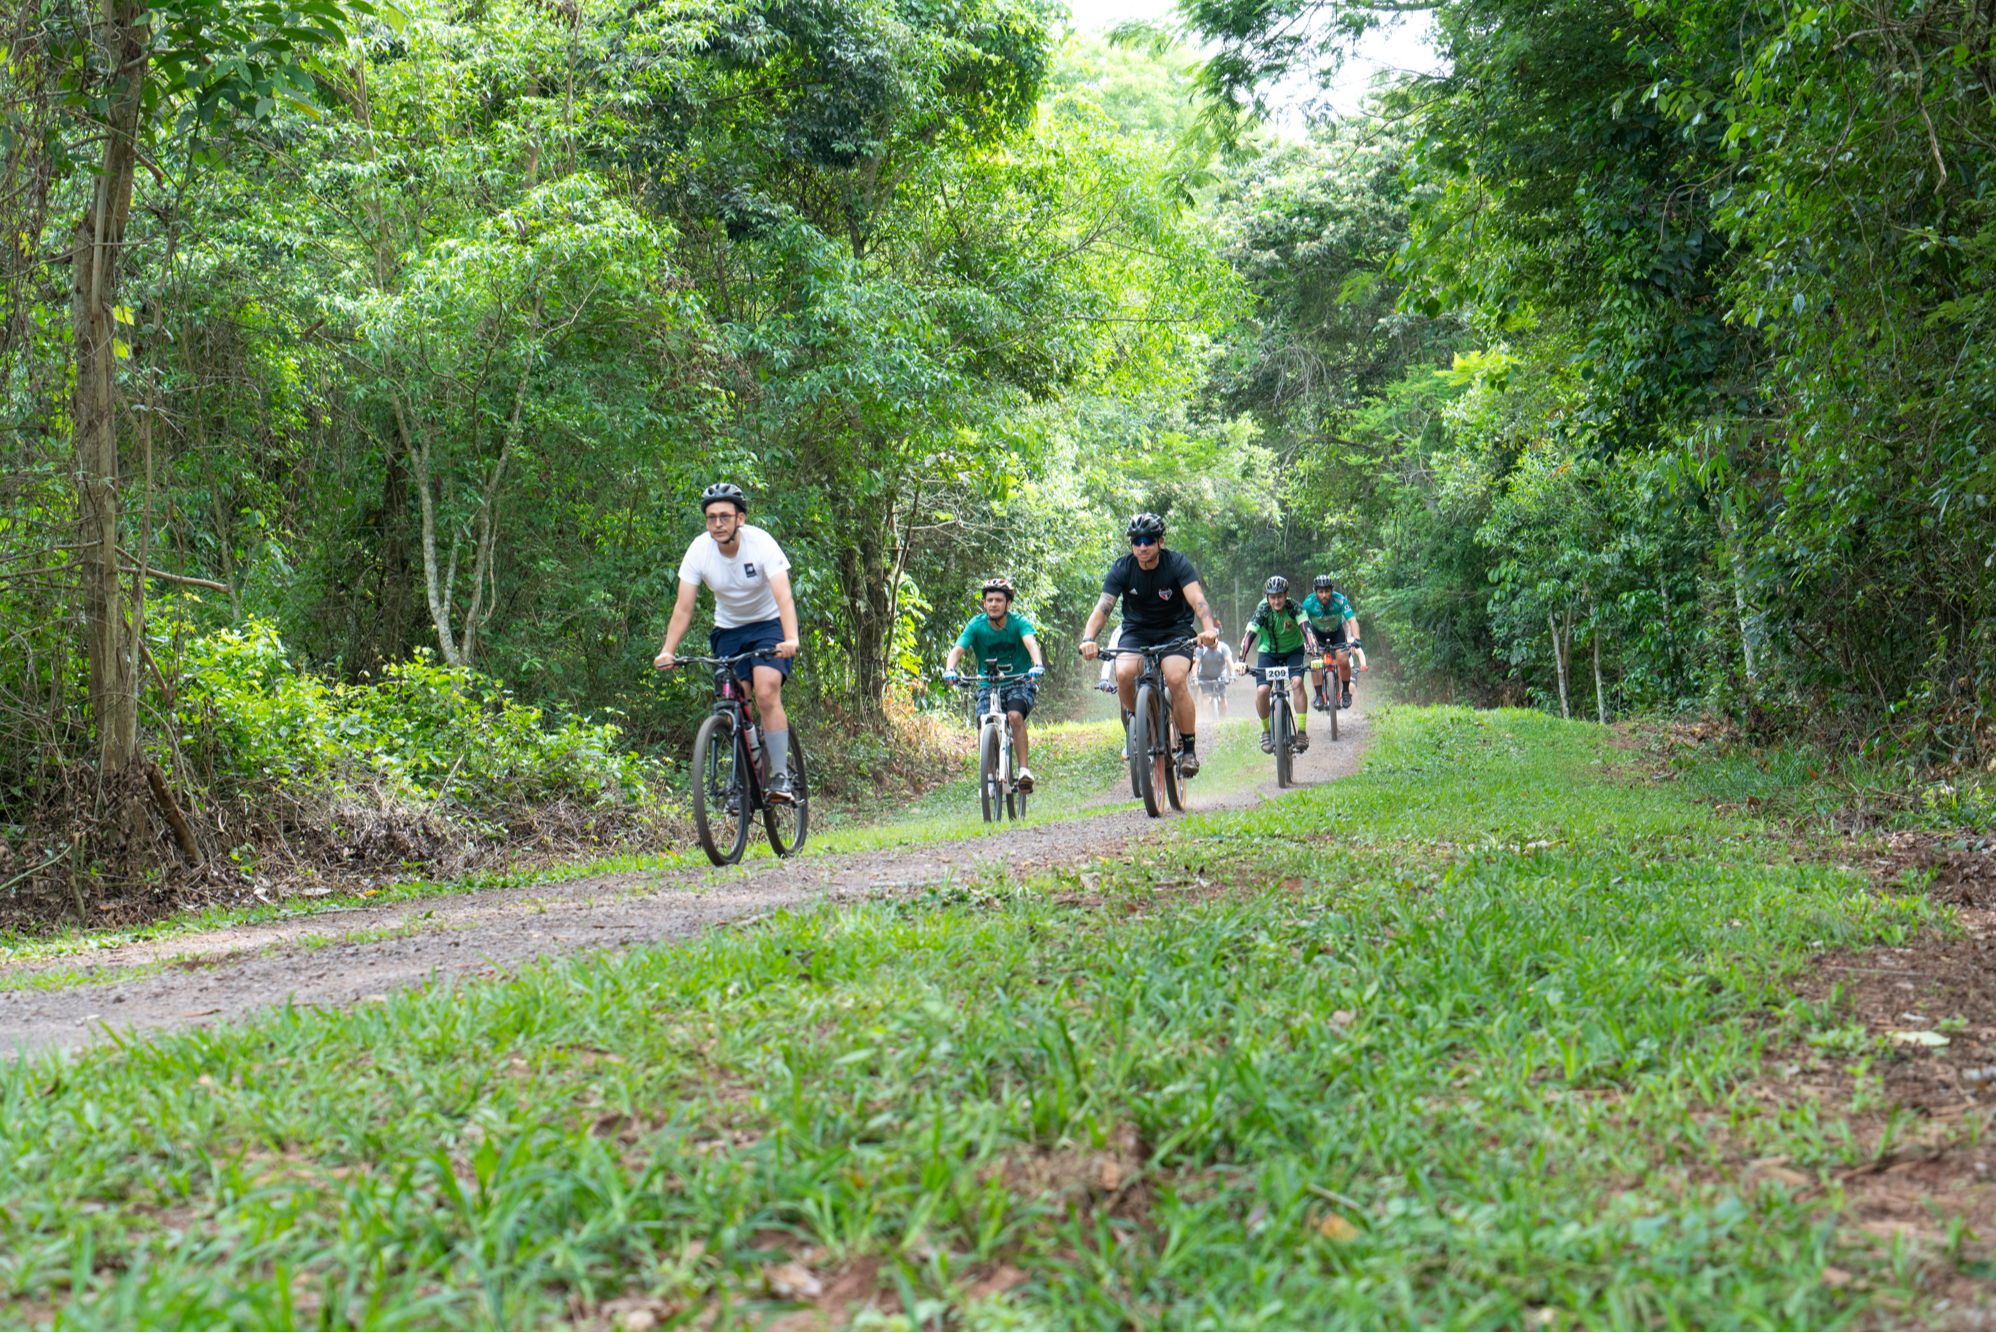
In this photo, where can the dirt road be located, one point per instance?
(224, 975)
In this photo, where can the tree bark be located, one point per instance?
(864, 572)
(1736, 559)
(1559, 660)
(488, 518)
(1600, 692)
(111, 632)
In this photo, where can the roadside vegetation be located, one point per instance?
(1482, 1035)
(411, 330)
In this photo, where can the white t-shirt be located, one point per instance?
(740, 581)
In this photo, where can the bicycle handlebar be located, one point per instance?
(678, 662)
(1155, 650)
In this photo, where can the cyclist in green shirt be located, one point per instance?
(1004, 639)
(1286, 639)
(1336, 624)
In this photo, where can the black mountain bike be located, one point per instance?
(1282, 719)
(727, 787)
(1152, 743)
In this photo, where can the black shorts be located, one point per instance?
(1136, 636)
(1293, 660)
(1214, 686)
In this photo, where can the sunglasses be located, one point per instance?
(1143, 541)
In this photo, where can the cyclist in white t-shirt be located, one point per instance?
(753, 612)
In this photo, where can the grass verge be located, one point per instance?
(1465, 1039)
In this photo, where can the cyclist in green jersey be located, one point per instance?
(1336, 626)
(1003, 636)
(1286, 638)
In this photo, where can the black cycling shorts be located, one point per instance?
(1293, 660)
(1136, 636)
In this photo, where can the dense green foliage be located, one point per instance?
(433, 352)
(1659, 338)
(1450, 1079)
(1635, 361)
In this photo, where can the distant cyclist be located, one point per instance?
(1108, 682)
(753, 612)
(1005, 638)
(1336, 626)
(1160, 593)
(1286, 639)
(1215, 667)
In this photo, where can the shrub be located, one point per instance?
(422, 732)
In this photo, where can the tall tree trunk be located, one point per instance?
(391, 632)
(480, 608)
(111, 632)
(1559, 660)
(436, 587)
(1736, 559)
(1600, 692)
(864, 574)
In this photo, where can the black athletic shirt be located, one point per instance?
(1153, 598)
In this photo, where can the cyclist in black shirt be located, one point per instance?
(1160, 593)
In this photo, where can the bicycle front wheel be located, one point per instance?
(1143, 740)
(787, 825)
(1167, 763)
(1015, 795)
(720, 790)
(1284, 729)
(1333, 677)
(990, 790)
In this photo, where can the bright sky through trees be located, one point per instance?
(1406, 45)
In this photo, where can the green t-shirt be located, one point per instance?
(1278, 631)
(1328, 616)
(986, 643)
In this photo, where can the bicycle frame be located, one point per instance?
(734, 727)
(1008, 797)
(733, 699)
(1158, 767)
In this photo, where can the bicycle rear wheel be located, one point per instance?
(787, 825)
(1133, 757)
(990, 792)
(1142, 741)
(1284, 729)
(720, 790)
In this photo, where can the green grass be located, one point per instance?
(1480, 1063)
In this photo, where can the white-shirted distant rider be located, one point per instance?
(753, 612)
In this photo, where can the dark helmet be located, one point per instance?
(1323, 583)
(996, 583)
(724, 490)
(1276, 583)
(1147, 525)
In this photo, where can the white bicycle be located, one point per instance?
(998, 790)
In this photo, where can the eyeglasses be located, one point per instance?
(1143, 541)
(721, 516)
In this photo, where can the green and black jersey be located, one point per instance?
(1278, 631)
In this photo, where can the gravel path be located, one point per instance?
(224, 975)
